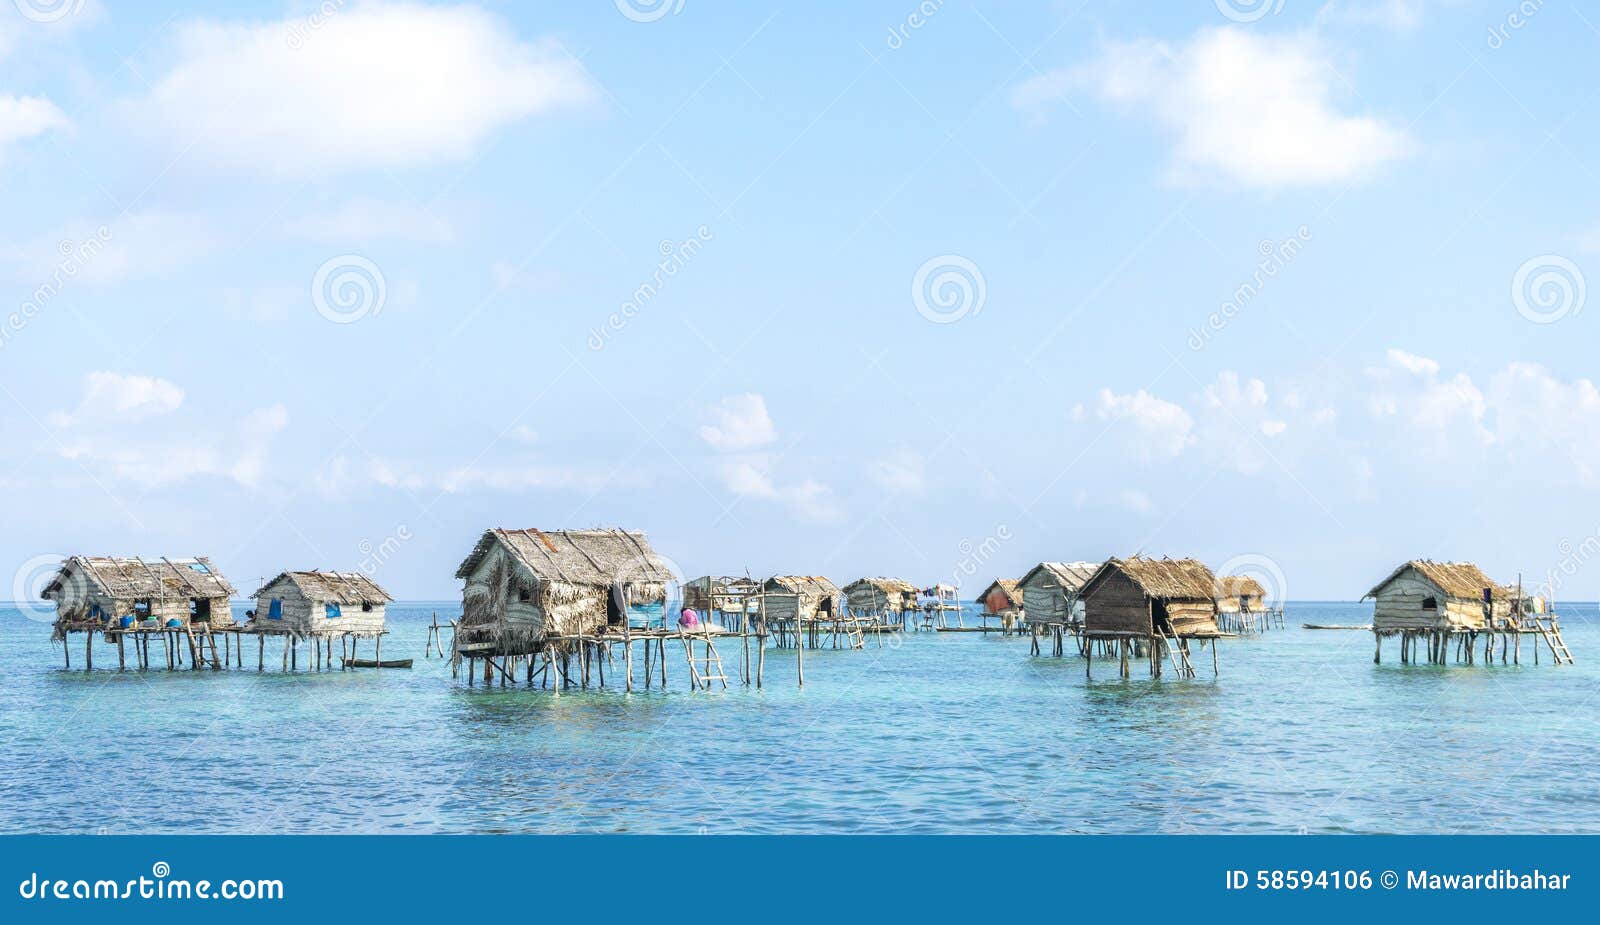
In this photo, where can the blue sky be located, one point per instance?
(853, 288)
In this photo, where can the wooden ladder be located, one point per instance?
(1552, 637)
(1179, 656)
(704, 669)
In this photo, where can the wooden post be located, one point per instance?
(627, 655)
(261, 649)
(122, 663)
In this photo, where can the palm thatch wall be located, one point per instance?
(103, 589)
(1143, 597)
(322, 603)
(523, 585)
(1426, 595)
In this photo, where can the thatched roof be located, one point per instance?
(598, 558)
(1165, 579)
(1070, 576)
(1010, 587)
(886, 585)
(725, 584)
(801, 584)
(334, 587)
(1462, 580)
(129, 578)
(1239, 586)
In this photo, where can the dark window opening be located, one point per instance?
(199, 610)
(524, 595)
(1160, 620)
(141, 608)
(366, 607)
(1430, 603)
(614, 611)
(825, 606)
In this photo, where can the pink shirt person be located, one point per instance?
(688, 618)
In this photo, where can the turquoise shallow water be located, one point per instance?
(942, 733)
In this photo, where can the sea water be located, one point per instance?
(932, 732)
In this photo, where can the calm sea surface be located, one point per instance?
(939, 733)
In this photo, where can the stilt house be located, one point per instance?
(94, 592)
(1145, 598)
(1424, 595)
(1052, 592)
(521, 586)
(321, 604)
(880, 596)
(802, 597)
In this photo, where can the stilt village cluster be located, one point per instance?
(564, 609)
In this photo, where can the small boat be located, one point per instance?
(1336, 626)
(374, 663)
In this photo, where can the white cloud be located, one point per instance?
(1412, 363)
(814, 501)
(1444, 415)
(25, 117)
(110, 396)
(142, 243)
(748, 476)
(383, 85)
(739, 422)
(1149, 428)
(902, 473)
(1254, 107)
(1135, 500)
(361, 220)
(1396, 15)
(125, 427)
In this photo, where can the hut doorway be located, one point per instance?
(1159, 621)
(825, 607)
(616, 611)
(199, 610)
